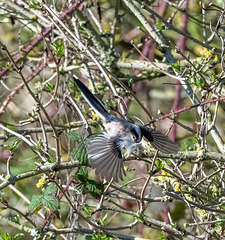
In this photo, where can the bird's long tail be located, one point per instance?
(93, 101)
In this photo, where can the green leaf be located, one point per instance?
(49, 87)
(104, 220)
(75, 136)
(35, 202)
(18, 236)
(194, 80)
(50, 201)
(95, 188)
(58, 48)
(51, 188)
(195, 139)
(201, 83)
(33, 148)
(159, 164)
(159, 24)
(97, 236)
(6, 236)
(82, 175)
(168, 162)
(173, 114)
(9, 66)
(44, 201)
(214, 77)
(8, 148)
(39, 145)
(16, 144)
(87, 212)
(16, 218)
(34, 4)
(140, 217)
(163, 236)
(80, 153)
(189, 144)
(176, 66)
(88, 237)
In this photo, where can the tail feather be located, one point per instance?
(159, 141)
(93, 101)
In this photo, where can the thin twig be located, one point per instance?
(36, 99)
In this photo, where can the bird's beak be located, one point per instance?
(131, 148)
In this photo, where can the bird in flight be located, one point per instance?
(105, 151)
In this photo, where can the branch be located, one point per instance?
(16, 225)
(28, 131)
(141, 65)
(222, 98)
(89, 231)
(156, 35)
(39, 104)
(150, 221)
(190, 155)
(38, 40)
(171, 27)
(40, 169)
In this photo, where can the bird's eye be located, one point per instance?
(134, 137)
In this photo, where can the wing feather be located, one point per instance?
(159, 141)
(105, 156)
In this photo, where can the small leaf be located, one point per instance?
(16, 144)
(49, 87)
(6, 236)
(201, 83)
(104, 220)
(87, 212)
(50, 202)
(80, 153)
(36, 210)
(9, 66)
(86, 185)
(140, 217)
(58, 48)
(8, 148)
(88, 237)
(35, 202)
(51, 188)
(172, 114)
(74, 135)
(18, 236)
(39, 144)
(95, 188)
(159, 165)
(34, 4)
(16, 218)
(82, 175)
(159, 24)
(176, 66)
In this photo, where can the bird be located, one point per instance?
(105, 150)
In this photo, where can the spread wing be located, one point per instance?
(159, 140)
(105, 156)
